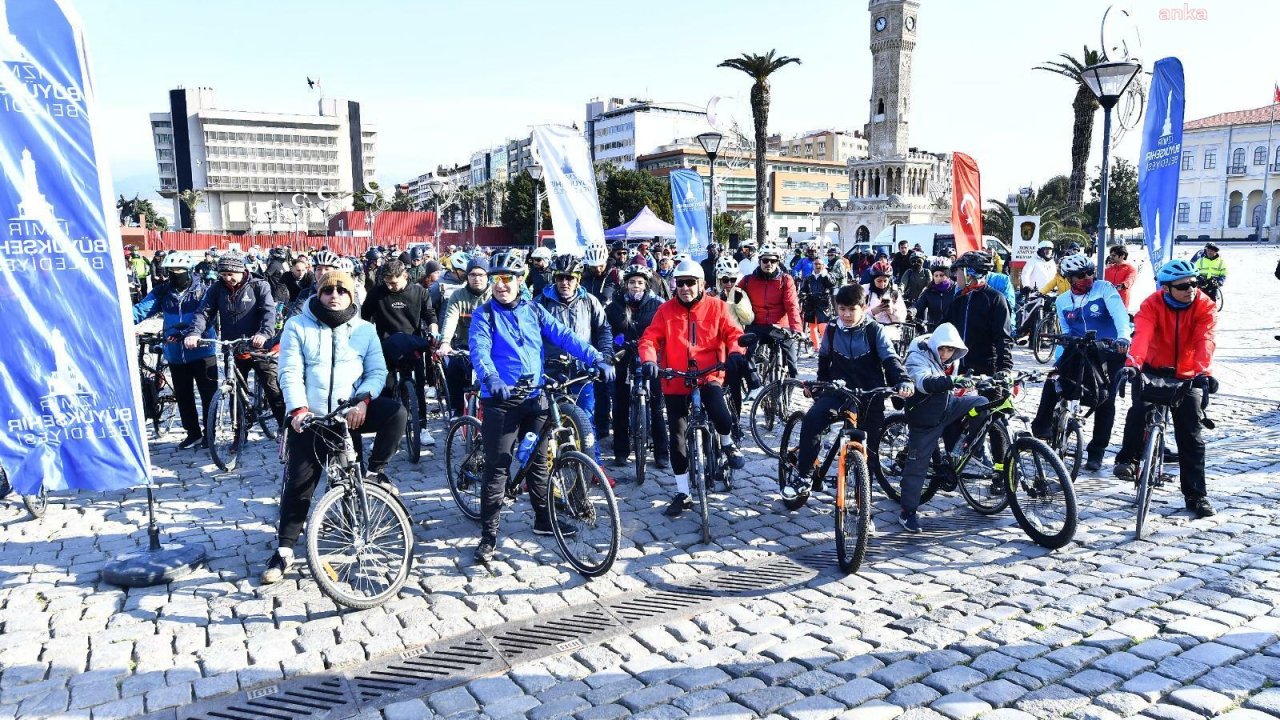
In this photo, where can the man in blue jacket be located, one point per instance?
(507, 338)
(328, 355)
(178, 299)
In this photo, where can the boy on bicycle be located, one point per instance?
(853, 349)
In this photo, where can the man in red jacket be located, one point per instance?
(692, 331)
(775, 303)
(1173, 337)
(1120, 272)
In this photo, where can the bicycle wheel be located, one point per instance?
(770, 411)
(442, 390)
(1041, 344)
(5, 486)
(38, 503)
(640, 433)
(1040, 493)
(985, 490)
(408, 397)
(586, 502)
(1150, 469)
(1221, 299)
(464, 464)
(260, 410)
(698, 478)
(359, 553)
(226, 414)
(888, 456)
(584, 431)
(787, 458)
(853, 508)
(151, 402)
(1070, 446)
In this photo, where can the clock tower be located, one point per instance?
(893, 40)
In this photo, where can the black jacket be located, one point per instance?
(631, 319)
(982, 317)
(914, 282)
(274, 276)
(247, 311)
(931, 307)
(599, 285)
(408, 311)
(295, 286)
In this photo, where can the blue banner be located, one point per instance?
(69, 393)
(1161, 159)
(571, 188)
(689, 206)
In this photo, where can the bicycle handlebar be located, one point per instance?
(1089, 338)
(341, 408)
(689, 376)
(817, 386)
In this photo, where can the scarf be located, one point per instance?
(944, 286)
(1174, 304)
(331, 318)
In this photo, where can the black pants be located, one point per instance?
(604, 404)
(266, 371)
(457, 378)
(678, 421)
(788, 346)
(1186, 431)
(384, 416)
(199, 375)
(1104, 414)
(622, 417)
(503, 426)
(821, 414)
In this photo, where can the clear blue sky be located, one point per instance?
(442, 79)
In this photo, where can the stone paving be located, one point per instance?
(966, 621)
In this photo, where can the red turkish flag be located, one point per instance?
(966, 204)
(1276, 97)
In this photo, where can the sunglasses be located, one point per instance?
(767, 260)
(478, 275)
(334, 289)
(1185, 286)
(687, 282)
(728, 280)
(565, 278)
(503, 279)
(1082, 274)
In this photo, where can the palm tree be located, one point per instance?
(760, 67)
(1084, 107)
(1059, 224)
(191, 199)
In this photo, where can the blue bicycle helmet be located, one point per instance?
(1175, 270)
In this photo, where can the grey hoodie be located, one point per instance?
(933, 384)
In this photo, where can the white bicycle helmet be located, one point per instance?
(328, 258)
(726, 266)
(1044, 244)
(596, 254)
(747, 243)
(541, 252)
(346, 266)
(1072, 264)
(458, 261)
(772, 251)
(689, 268)
(178, 261)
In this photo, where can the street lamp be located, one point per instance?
(535, 172)
(1108, 81)
(374, 206)
(710, 142)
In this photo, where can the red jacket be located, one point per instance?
(774, 300)
(1181, 340)
(1122, 276)
(704, 332)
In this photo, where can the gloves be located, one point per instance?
(906, 390)
(498, 388)
(1208, 383)
(649, 370)
(607, 373)
(962, 381)
(1002, 376)
(619, 340)
(737, 363)
(1126, 374)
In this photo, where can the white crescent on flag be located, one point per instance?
(964, 213)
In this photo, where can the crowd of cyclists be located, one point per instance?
(920, 325)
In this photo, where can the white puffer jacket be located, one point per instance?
(321, 367)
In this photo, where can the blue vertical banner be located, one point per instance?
(571, 188)
(69, 392)
(1161, 159)
(689, 205)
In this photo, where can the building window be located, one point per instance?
(880, 107)
(1260, 156)
(1277, 165)
(1206, 212)
(1211, 159)
(1233, 217)
(1257, 215)
(1237, 157)
(1187, 159)
(782, 232)
(1184, 211)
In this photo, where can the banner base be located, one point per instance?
(150, 567)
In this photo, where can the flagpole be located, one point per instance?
(1264, 229)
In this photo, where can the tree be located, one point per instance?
(759, 68)
(191, 199)
(1056, 190)
(517, 211)
(401, 202)
(1058, 224)
(1122, 198)
(625, 192)
(1083, 107)
(359, 203)
(131, 209)
(727, 224)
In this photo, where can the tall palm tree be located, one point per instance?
(760, 67)
(1059, 224)
(1084, 107)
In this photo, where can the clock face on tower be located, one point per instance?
(881, 24)
(911, 23)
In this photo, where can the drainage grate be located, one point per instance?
(658, 604)
(565, 633)
(311, 698)
(440, 665)
(762, 577)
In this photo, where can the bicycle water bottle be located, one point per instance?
(525, 451)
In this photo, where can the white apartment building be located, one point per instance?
(1228, 170)
(261, 172)
(618, 131)
(834, 145)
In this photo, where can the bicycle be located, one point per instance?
(158, 402)
(1212, 286)
(1026, 474)
(1161, 394)
(779, 396)
(638, 415)
(847, 449)
(1041, 344)
(359, 536)
(908, 331)
(1067, 437)
(236, 404)
(36, 504)
(435, 369)
(401, 371)
(577, 486)
(706, 458)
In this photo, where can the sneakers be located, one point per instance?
(621, 459)
(1170, 456)
(661, 461)
(1093, 464)
(1126, 471)
(796, 484)
(678, 505)
(1202, 507)
(191, 441)
(424, 437)
(910, 522)
(734, 456)
(277, 566)
(484, 551)
(542, 526)
(382, 481)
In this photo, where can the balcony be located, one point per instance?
(1237, 169)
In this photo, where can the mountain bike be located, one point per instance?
(1067, 436)
(1025, 474)
(158, 402)
(1161, 395)
(908, 331)
(1041, 334)
(843, 444)
(707, 464)
(435, 370)
(359, 536)
(577, 487)
(779, 396)
(1212, 286)
(36, 504)
(401, 370)
(236, 404)
(638, 415)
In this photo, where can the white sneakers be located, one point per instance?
(424, 437)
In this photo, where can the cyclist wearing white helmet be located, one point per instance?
(748, 263)
(595, 276)
(629, 315)
(727, 277)
(539, 269)
(1039, 270)
(775, 302)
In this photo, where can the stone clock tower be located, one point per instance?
(893, 41)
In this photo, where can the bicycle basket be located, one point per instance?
(1160, 389)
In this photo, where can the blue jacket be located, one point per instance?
(179, 310)
(507, 342)
(803, 268)
(1001, 284)
(247, 311)
(320, 367)
(1100, 310)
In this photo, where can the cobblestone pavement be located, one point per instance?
(968, 620)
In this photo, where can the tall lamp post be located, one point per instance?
(374, 207)
(436, 186)
(1108, 81)
(535, 172)
(710, 142)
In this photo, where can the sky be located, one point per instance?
(441, 79)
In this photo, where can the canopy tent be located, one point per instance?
(644, 226)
